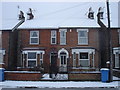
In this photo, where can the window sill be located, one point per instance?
(34, 44)
(83, 44)
(63, 44)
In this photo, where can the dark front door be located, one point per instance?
(54, 63)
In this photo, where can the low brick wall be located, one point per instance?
(82, 76)
(22, 75)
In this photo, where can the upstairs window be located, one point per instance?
(53, 37)
(82, 37)
(34, 37)
(63, 36)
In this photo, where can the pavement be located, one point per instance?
(59, 84)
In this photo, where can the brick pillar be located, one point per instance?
(25, 60)
(38, 59)
(77, 60)
(91, 60)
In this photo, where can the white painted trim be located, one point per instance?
(116, 50)
(34, 37)
(77, 51)
(62, 30)
(82, 30)
(2, 51)
(63, 50)
(37, 51)
(117, 61)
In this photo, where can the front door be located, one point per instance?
(53, 65)
(63, 62)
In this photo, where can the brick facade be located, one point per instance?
(23, 44)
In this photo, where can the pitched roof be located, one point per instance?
(56, 14)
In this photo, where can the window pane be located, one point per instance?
(116, 60)
(82, 37)
(83, 55)
(34, 40)
(84, 63)
(53, 33)
(83, 40)
(31, 63)
(62, 37)
(74, 56)
(34, 34)
(32, 55)
(61, 60)
(53, 40)
(64, 59)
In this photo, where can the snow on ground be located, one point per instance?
(59, 84)
(51, 84)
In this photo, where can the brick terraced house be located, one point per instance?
(57, 38)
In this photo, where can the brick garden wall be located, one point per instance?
(85, 76)
(22, 76)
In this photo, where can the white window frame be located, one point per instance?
(61, 38)
(74, 59)
(84, 59)
(78, 30)
(31, 59)
(2, 56)
(55, 37)
(34, 37)
(117, 60)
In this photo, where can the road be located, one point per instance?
(60, 89)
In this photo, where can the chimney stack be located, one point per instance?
(29, 14)
(91, 13)
(100, 12)
(21, 15)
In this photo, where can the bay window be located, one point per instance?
(32, 59)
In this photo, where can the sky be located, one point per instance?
(57, 0)
(7, 8)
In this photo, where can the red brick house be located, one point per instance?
(62, 38)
